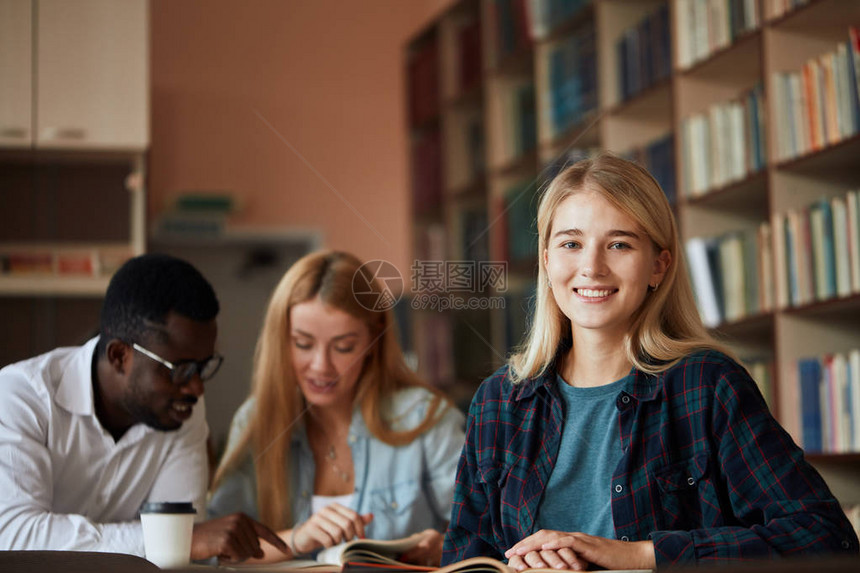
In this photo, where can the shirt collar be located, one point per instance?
(75, 390)
(527, 388)
(645, 387)
(357, 427)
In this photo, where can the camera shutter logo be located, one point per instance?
(377, 285)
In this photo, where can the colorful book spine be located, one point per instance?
(809, 377)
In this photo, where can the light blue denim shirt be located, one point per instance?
(407, 488)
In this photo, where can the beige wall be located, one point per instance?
(297, 106)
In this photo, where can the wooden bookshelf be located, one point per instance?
(744, 61)
(69, 220)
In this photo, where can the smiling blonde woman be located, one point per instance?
(621, 434)
(339, 439)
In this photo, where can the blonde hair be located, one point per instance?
(277, 400)
(667, 326)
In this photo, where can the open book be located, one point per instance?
(381, 556)
(471, 565)
(368, 552)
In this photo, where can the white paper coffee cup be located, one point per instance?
(167, 528)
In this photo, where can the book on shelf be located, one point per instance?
(427, 172)
(781, 7)
(816, 250)
(78, 263)
(731, 274)
(524, 119)
(434, 347)
(809, 378)
(62, 261)
(658, 157)
(430, 245)
(806, 255)
(705, 26)
(28, 263)
(829, 403)
(423, 78)
(724, 144)
(751, 258)
(643, 54)
(854, 390)
(823, 255)
(520, 215)
(841, 246)
(766, 268)
(818, 105)
(547, 15)
(852, 204)
(761, 371)
(518, 119)
(731, 265)
(701, 261)
(510, 28)
(469, 53)
(475, 148)
(571, 72)
(474, 234)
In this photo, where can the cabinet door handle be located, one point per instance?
(16, 132)
(66, 133)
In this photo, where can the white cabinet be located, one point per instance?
(74, 88)
(90, 74)
(16, 75)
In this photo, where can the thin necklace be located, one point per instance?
(332, 458)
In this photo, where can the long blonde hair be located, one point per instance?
(277, 400)
(667, 326)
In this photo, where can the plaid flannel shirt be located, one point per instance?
(706, 472)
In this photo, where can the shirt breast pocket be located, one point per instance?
(682, 486)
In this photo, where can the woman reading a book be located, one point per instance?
(339, 439)
(621, 435)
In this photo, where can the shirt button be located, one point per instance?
(625, 538)
(625, 399)
(394, 505)
(618, 488)
(305, 494)
(691, 481)
(846, 544)
(351, 438)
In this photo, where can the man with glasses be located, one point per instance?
(90, 433)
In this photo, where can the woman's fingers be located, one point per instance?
(534, 542)
(572, 560)
(517, 563)
(330, 526)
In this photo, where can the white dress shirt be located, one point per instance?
(64, 483)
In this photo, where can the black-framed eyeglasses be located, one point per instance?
(182, 372)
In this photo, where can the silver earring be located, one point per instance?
(548, 284)
(653, 288)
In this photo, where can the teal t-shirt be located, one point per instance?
(577, 497)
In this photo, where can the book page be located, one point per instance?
(289, 564)
(377, 550)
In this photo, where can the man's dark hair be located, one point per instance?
(146, 289)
